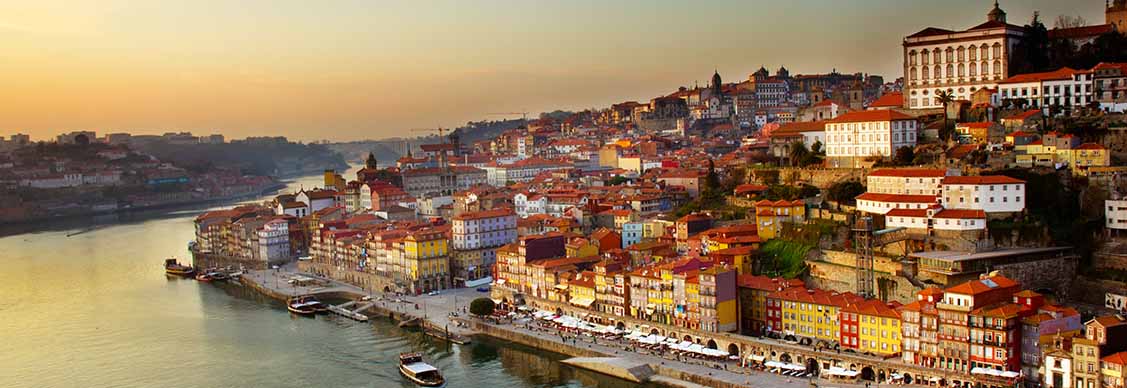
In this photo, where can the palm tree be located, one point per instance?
(797, 153)
(944, 97)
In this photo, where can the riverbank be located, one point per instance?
(443, 314)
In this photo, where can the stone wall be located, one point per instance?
(837, 271)
(822, 177)
(1054, 274)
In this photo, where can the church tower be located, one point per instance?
(1116, 15)
(996, 14)
(716, 83)
(371, 162)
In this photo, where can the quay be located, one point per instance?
(442, 316)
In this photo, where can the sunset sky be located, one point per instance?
(344, 70)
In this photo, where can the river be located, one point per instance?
(96, 310)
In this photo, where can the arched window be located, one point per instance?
(962, 54)
(984, 51)
(985, 68)
(972, 53)
(997, 51)
(937, 72)
(924, 59)
(950, 55)
(973, 68)
(924, 71)
(912, 73)
(962, 70)
(912, 57)
(935, 56)
(950, 71)
(997, 67)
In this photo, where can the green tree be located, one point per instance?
(845, 192)
(904, 156)
(797, 153)
(816, 148)
(482, 307)
(945, 98)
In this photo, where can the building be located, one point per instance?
(958, 62)
(920, 329)
(441, 180)
(718, 309)
(1063, 87)
(1110, 88)
(959, 304)
(989, 193)
(771, 216)
(985, 132)
(907, 181)
(871, 326)
(427, 260)
(856, 136)
(475, 239)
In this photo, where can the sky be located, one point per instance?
(352, 69)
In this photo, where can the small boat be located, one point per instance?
(219, 276)
(301, 306)
(412, 367)
(173, 267)
(203, 277)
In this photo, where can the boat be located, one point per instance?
(173, 267)
(219, 276)
(412, 367)
(203, 277)
(300, 306)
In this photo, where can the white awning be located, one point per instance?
(500, 282)
(756, 357)
(582, 301)
(840, 372)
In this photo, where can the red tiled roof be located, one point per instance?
(485, 214)
(962, 214)
(1080, 32)
(797, 128)
(980, 124)
(1023, 115)
(1090, 146)
(889, 100)
(898, 198)
(978, 286)
(1058, 74)
(910, 172)
(980, 180)
(871, 115)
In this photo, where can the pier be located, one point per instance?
(344, 311)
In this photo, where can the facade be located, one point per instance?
(991, 193)
(770, 216)
(1063, 87)
(907, 181)
(441, 180)
(1111, 85)
(855, 136)
(475, 237)
(958, 62)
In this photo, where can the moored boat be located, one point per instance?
(301, 306)
(203, 277)
(173, 267)
(220, 276)
(412, 367)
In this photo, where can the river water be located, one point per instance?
(95, 310)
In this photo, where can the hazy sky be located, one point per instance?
(371, 69)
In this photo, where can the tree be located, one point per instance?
(845, 192)
(1031, 53)
(482, 307)
(904, 156)
(1068, 21)
(797, 153)
(816, 148)
(945, 98)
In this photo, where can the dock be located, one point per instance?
(344, 311)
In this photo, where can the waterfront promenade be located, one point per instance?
(446, 311)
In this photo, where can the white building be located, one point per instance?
(1115, 215)
(1065, 87)
(274, 241)
(855, 136)
(990, 193)
(936, 217)
(959, 62)
(530, 203)
(483, 229)
(1058, 370)
(316, 200)
(878, 203)
(910, 181)
(498, 174)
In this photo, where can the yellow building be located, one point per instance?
(427, 260)
(581, 289)
(809, 313)
(1086, 155)
(580, 247)
(1112, 370)
(771, 215)
(874, 325)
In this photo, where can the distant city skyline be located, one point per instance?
(366, 70)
